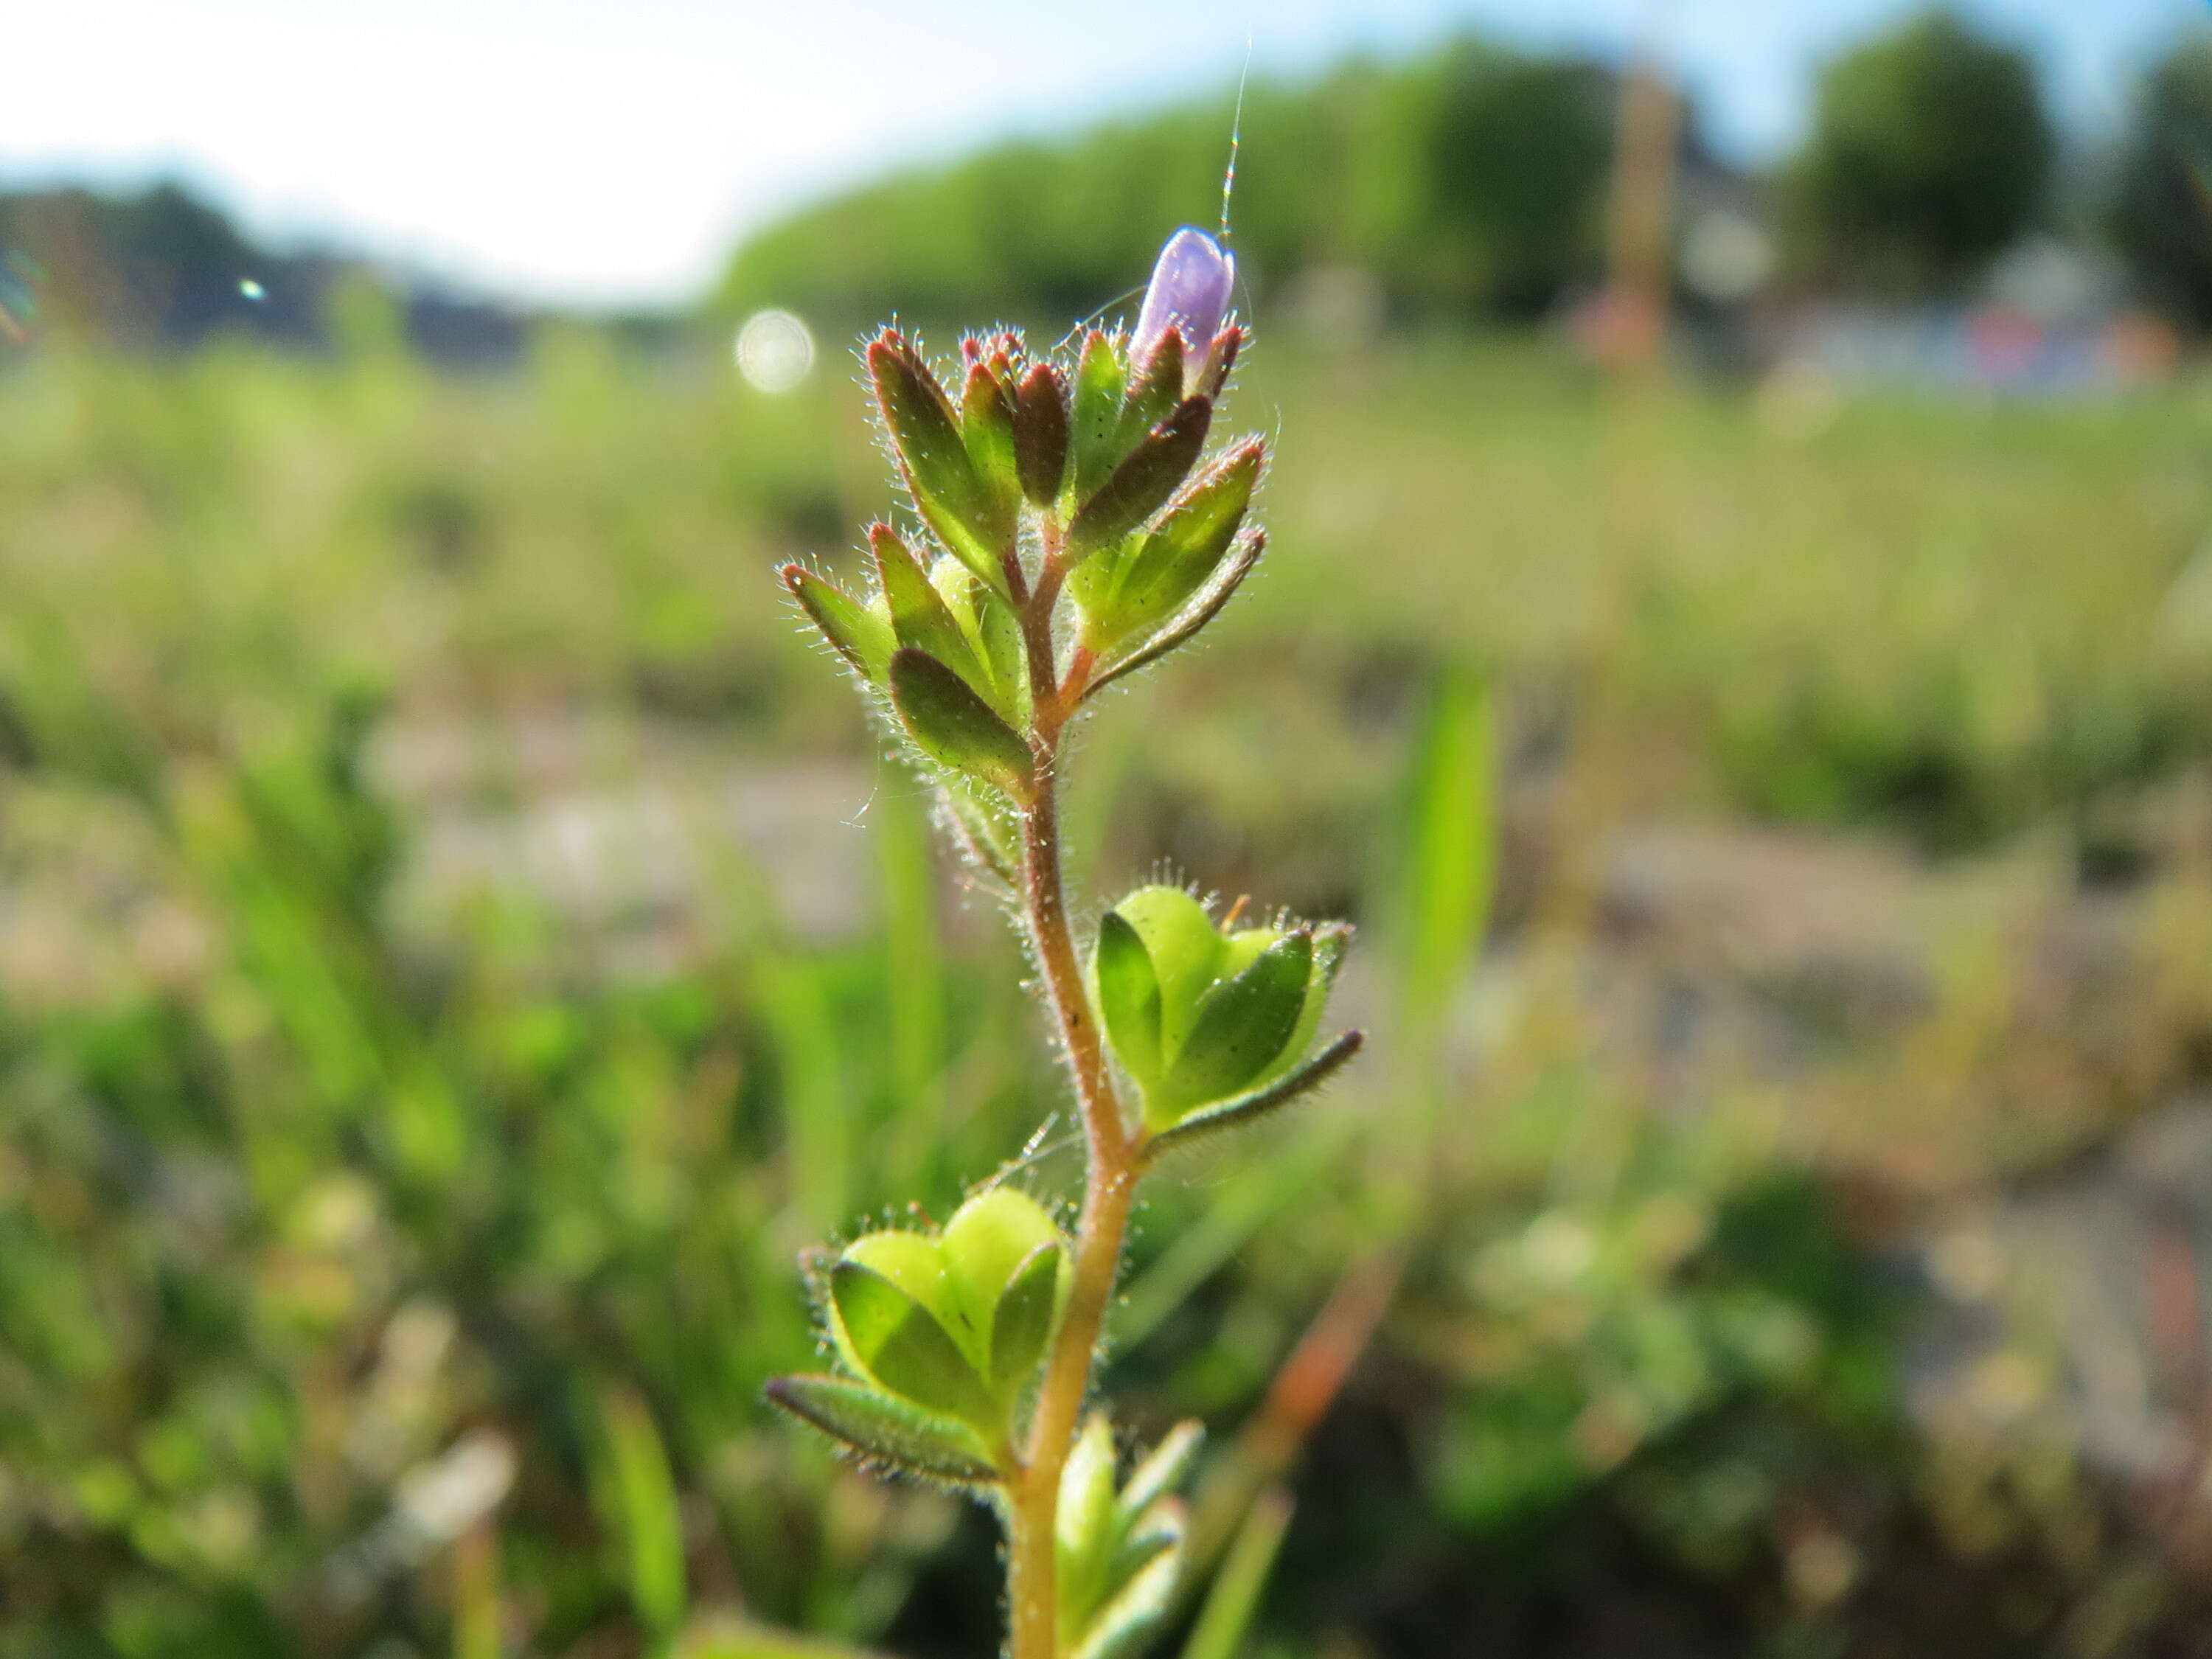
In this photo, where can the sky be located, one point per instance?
(613, 154)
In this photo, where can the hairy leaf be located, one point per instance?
(1242, 1025)
(858, 635)
(1235, 1112)
(888, 1431)
(952, 725)
(1141, 484)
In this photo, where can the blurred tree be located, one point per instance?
(2162, 208)
(1516, 154)
(1930, 153)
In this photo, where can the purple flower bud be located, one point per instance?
(1189, 293)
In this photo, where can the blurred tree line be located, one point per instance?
(1471, 182)
(1473, 177)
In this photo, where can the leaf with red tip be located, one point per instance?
(934, 459)
(1041, 434)
(857, 633)
(986, 422)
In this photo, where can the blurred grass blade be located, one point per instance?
(477, 1621)
(637, 1500)
(915, 973)
(817, 1123)
(1447, 861)
(1226, 1620)
(1305, 1386)
(1243, 1206)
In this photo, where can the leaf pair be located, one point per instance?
(947, 649)
(1118, 1551)
(943, 1333)
(1200, 1017)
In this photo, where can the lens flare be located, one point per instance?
(250, 289)
(774, 350)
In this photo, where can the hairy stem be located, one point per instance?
(1111, 1169)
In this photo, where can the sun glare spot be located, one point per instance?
(250, 289)
(774, 350)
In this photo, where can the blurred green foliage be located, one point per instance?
(375, 1271)
(1930, 154)
(2162, 210)
(1469, 180)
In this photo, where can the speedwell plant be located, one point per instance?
(1070, 527)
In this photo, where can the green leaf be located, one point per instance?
(994, 635)
(1128, 995)
(911, 1260)
(1129, 1621)
(643, 1494)
(933, 458)
(1140, 485)
(1202, 609)
(1041, 434)
(1154, 391)
(1187, 547)
(888, 1431)
(1329, 941)
(1185, 952)
(1150, 1531)
(859, 636)
(1447, 860)
(920, 617)
(901, 1346)
(1164, 1469)
(1021, 1325)
(1094, 439)
(989, 1240)
(980, 829)
(986, 420)
(1083, 1526)
(1240, 1109)
(954, 726)
(1242, 1025)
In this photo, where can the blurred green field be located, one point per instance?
(457, 944)
(1950, 617)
